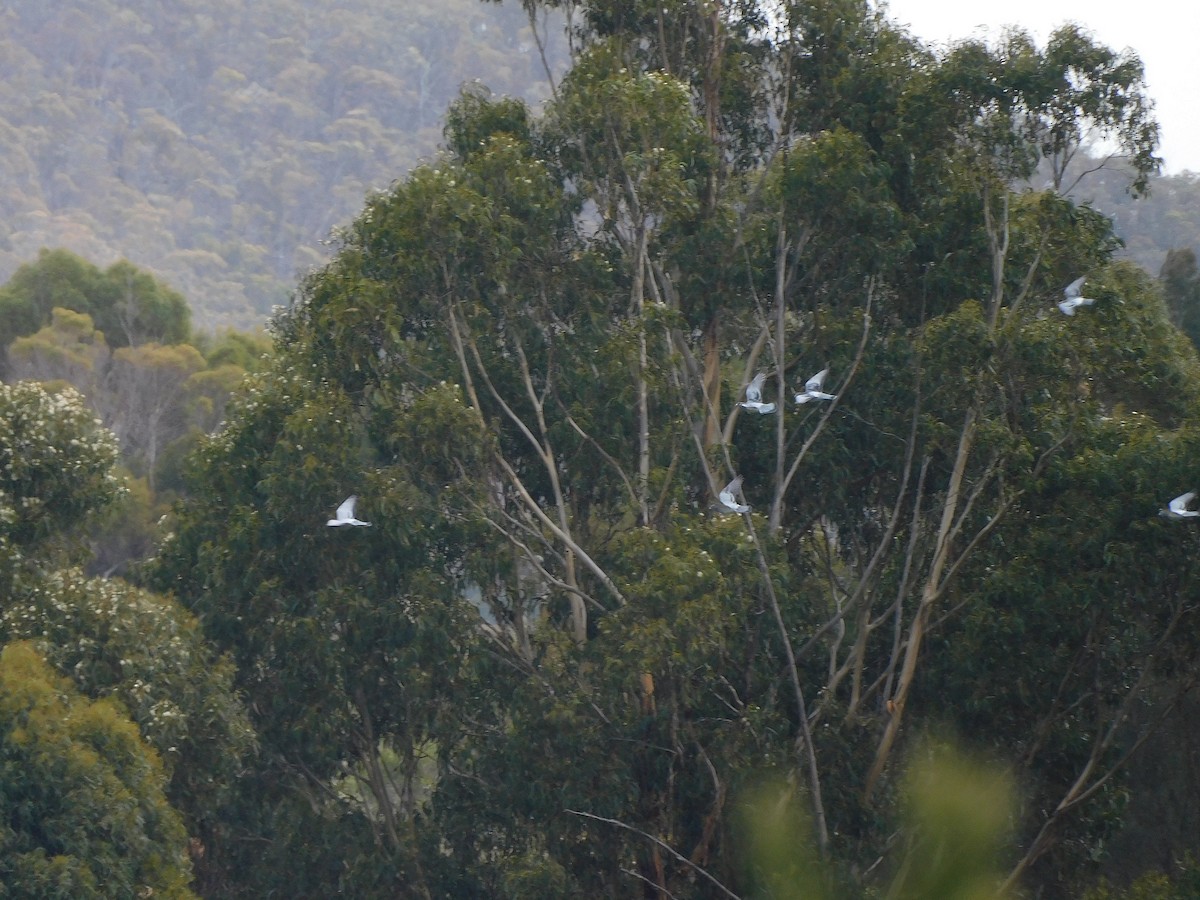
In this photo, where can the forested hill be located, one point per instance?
(217, 142)
(1167, 219)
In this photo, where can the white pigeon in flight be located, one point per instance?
(754, 396)
(812, 389)
(728, 496)
(345, 514)
(1073, 298)
(1178, 508)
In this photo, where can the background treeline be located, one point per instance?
(125, 341)
(218, 143)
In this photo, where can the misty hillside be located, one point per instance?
(218, 142)
(1169, 218)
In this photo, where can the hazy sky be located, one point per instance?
(1165, 35)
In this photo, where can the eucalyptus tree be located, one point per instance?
(129, 305)
(521, 360)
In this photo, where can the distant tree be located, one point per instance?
(133, 307)
(1180, 279)
(150, 388)
(127, 304)
(69, 349)
(248, 350)
(58, 278)
(128, 531)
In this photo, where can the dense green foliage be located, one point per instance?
(81, 794)
(216, 143)
(126, 304)
(100, 774)
(552, 666)
(1181, 288)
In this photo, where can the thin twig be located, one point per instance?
(679, 856)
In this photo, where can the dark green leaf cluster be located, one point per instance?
(97, 795)
(84, 811)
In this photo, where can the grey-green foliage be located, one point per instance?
(549, 661)
(217, 144)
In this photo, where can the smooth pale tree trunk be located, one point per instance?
(712, 384)
(929, 594)
(643, 400)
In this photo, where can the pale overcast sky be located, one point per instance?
(1165, 35)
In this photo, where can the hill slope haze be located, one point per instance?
(218, 142)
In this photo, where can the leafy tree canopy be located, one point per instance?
(139, 656)
(552, 660)
(82, 794)
(127, 304)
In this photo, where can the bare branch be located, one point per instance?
(661, 844)
(563, 536)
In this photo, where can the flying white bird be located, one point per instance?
(1178, 508)
(1072, 298)
(754, 396)
(728, 496)
(812, 389)
(345, 514)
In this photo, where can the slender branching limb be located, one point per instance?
(929, 594)
(702, 872)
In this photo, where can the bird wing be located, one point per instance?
(754, 388)
(1067, 306)
(346, 510)
(1073, 289)
(814, 383)
(1180, 503)
(733, 487)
